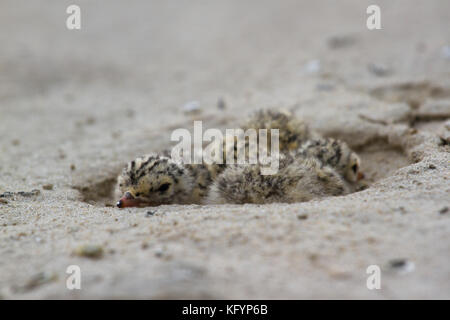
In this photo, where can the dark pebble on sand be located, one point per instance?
(150, 213)
(47, 186)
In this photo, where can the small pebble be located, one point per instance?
(447, 125)
(302, 217)
(341, 41)
(379, 70)
(402, 210)
(312, 66)
(3, 201)
(444, 210)
(432, 166)
(47, 186)
(159, 252)
(72, 167)
(192, 107)
(90, 251)
(446, 52)
(401, 265)
(90, 120)
(15, 142)
(221, 104)
(149, 213)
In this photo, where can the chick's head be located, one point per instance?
(336, 154)
(153, 180)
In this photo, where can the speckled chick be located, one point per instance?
(153, 180)
(297, 180)
(293, 131)
(333, 153)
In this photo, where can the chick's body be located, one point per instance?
(333, 153)
(293, 131)
(297, 180)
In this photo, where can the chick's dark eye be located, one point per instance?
(355, 168)
(164, 187)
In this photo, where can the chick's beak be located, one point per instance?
(360, 176)
(128, 200)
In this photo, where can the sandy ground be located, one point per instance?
(76, 105)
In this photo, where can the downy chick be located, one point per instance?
(335, 154)
(292, 133)
(153, 180)
(297, 180)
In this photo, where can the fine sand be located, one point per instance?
(75, 106)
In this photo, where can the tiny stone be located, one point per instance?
(90, 120)
(149, 213)
(432, 166)
(446, 52)
(379, 70)
(444, 210)
(62, 155)
(402, 210)
(192, 107)
(221, 104)
(341, 41)
(72, 167)
(159, 252)
(302, 217)
(3, 201)
(90, 251)
(47, 186)
(401, 265)
(312, 66)
(447, 125)
(15, 142)
(397, 263)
